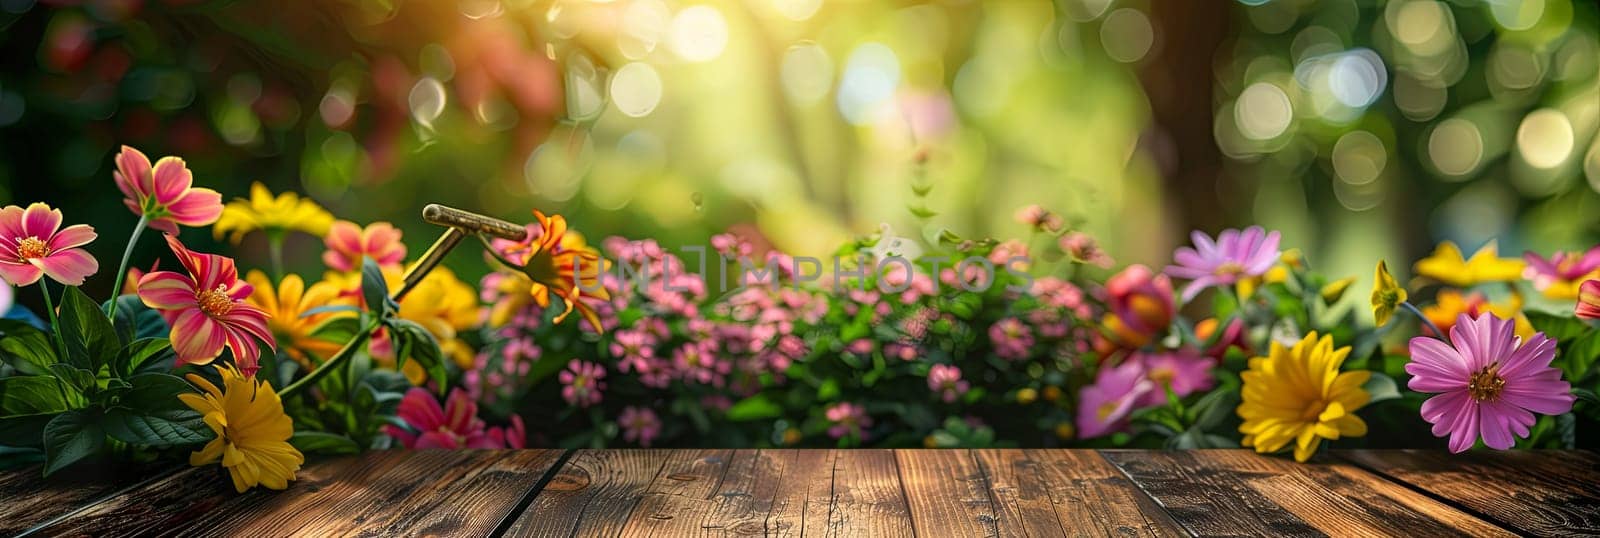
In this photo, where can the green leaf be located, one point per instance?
(135, 320)
(77, 379)
(1213, 409)
(91, 341)
(28, 395)
(374, 289)
(1381, 387)
(1577, 359)
(423, 347)
(755, 408)
(323, 443)
(142, 352)
(156, 431)
(156, 393)
(25, 348)
(1560, 327)
(71, 437)
(24, 430)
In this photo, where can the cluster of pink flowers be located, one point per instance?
(846, 418)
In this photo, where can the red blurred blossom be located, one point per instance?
(454, 426)
(1589, 300)
(1141, 306)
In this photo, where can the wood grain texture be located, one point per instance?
(592, 495)
(1205, 500)
(1541, 492)
(678, 501)
(1341, 499)
(868, 499)
(416, 493)
(28, 498)
(803, 504)
(745, 500)
(1092, 496)
(948, 495)
(1019, 492)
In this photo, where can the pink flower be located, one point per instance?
(581, 383)
(1005, 251)
(455, 426)
(1184, 371)
(639, 425)
(514, 435)
(1141, 305)
(848, 419)
(33, 244)
(206, 309)
(1233, 256)
(1039, 218)
(697, 363)
(1589, 300)
(1560, 275)
(1489, 382)
(1104, 406)
(1012, 339)
(348, 243)
(163, 193)
(945, 380)
(1082, 248)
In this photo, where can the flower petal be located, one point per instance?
(197, 338)
(170, 178)
(40, 221)
(133, 167)
(69, 266)
(76, 235)
(166, 290)
(20, 274)
(199, 207)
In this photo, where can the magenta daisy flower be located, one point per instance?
(1233, 256)
(581, 383)
(1490, 382)
(33, 244)
(1105, 406)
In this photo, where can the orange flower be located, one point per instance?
(1450, 304)
(348, 243)
(557, 261)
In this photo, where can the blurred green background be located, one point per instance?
(1360, 128)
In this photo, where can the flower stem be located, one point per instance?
(1418, 313)
(122, 269)
(55, 325)
(275, 249)
(349, 350)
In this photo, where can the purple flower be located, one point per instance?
(1233, 256)
(1490, 383)
(945, 380)
(1117, 390)
(639, 425)
(1184, 371)
(1560, 275)
(848, 419)
(581, 383)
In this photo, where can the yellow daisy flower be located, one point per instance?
(288, 304)
(252, 431)
(1386, 294)
(1298, 394)
(1446, 265)
(282, 213)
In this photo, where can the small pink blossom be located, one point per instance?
(348, 243)
(33, 244)
(455, 426)
(848, 419)
(581, 383)
(1082, 248)
(639, 425)
(1012, 340)
(1104, 407)
(164, 193)
(945, 380)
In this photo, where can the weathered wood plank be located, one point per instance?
(1205, 500)
(1089, 495)
(1020, 493)
(743, 503)
(30, 499)
(677, 502)
(868, 499)
(801, 507)
(592, 495)
(424, 492)
(1341, 499)
(947, 494)
(1540, 492)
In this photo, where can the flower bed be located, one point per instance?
(965, 343)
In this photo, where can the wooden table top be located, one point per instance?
(832, 493)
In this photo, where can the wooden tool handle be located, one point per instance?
(472, 222)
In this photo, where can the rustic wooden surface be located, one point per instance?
(833, 493)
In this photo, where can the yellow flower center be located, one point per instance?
(1162, 376)
(1486, 384)
(215, 302)
(1388, 296)
(1105, 410)
(32, 247)
(1230, 269)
